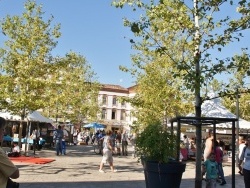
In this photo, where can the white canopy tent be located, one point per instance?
(214, 108)
(34, 116)
(9, 116)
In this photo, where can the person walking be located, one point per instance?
(113, 136)
(133, 144)
(209, 167)
(100, 139)
(118, 143)
(124, 143)
(65, 136)
(219, 160)
(87, 134)
(58, 135)
(35, 136)
(245, 156)
(75, 135)
(187, 145)
(208, 145)
(242, 145)
(7, 168)
(107, 152)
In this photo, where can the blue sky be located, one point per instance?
(94, 29)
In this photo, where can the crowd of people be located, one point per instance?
(110, 142)
(116, 142)
(119, 140)
(213, 152)
(213, 159)
(213, 155)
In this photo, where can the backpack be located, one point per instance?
(58, 134)
(244, 149)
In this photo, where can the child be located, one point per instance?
(210, 167)
(15, 151)
(219, 160)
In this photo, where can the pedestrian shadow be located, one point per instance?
(72, 151)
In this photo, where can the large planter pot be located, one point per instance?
(159, 175)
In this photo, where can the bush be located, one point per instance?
(156, 143)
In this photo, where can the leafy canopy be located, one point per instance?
(24, 59)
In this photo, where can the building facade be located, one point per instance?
(115, 114)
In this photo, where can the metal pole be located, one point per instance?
(178, 139)
(237, 125)
(233, 154)
(27, 138)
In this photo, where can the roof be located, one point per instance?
(133, 89)
(214, 108)
(32, 116)
(202, 120)
(114, 88)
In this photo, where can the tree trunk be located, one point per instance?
(20, 133)
(197, 56)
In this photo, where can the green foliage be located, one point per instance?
(24, 59)
(238, 87)
(65, 87)
(158, 94)
(169, 28)
(156, 143)
(185, 34)
(74, 90)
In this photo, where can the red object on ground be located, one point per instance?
(33, 160)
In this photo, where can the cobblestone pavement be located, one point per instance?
(79, 169)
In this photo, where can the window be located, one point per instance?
(123, 103)
(113, 114)
(114, 101)
(123, 115)
(104, 113)
(104, 99)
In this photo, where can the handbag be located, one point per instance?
(12, 184)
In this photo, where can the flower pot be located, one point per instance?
(159, 175)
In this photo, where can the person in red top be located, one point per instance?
(219, 159)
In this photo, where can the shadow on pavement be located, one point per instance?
(101, 184)
(71, 150)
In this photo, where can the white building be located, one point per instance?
(114, 113)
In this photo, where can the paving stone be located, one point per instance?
(79, 169)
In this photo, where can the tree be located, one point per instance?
(24, 60)
(240, 92)
(158, 97)
(188, 33)
(74, 92)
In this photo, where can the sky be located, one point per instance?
(94, 29)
